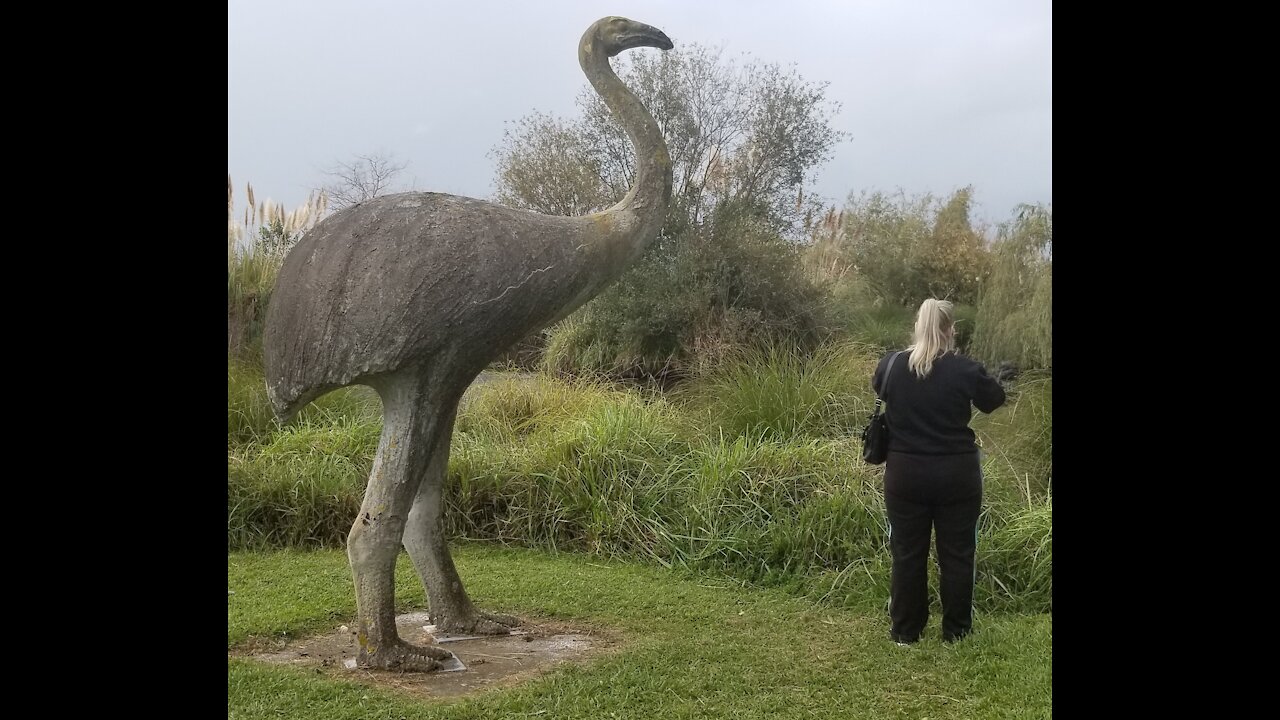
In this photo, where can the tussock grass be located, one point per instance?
(256, 247)
(752, 471)
(295, 485)
(1016, 560)
(303, 487)
(560, 464)
(779, 393)
(249, 413)
(876, 323)
(1017, 441)
(251, 276)
(251, 419)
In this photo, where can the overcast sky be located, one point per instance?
(935, 94)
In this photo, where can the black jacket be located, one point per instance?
(930, 416)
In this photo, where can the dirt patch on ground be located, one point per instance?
(481, 662)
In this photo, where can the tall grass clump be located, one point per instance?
(882, 325)
(249, 413)
(774, 511)
(256, 246)
(751, 471)
(1015, 559)
(581, 466)
(251, 418)
(303, 487)
(250, 278)
(780, 393)
(1017, 439)
(300, 484)
(1015, 548)
(559, 464)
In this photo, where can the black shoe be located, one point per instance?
(954, 638)
(903, 640)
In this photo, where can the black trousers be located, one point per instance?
(924, 494)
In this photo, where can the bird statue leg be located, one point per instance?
(424, 538)
(411, 422)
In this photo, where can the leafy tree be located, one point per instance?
(750, 133)
(905, 249)
(745, 138)
(953, 262)
(546, 166)
(712, 287)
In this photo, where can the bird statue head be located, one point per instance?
(615, 34)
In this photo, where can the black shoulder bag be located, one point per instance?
(875, 436)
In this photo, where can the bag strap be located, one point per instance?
(885, 393)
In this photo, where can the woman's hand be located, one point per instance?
(1006, 372)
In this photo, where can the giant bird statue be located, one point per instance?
(413, 295)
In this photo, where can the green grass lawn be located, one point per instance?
(691, 647)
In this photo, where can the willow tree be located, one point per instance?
(1015, 306)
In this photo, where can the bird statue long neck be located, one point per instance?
(644, 207)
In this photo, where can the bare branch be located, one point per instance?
(361, 179)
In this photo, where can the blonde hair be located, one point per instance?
(933, 335)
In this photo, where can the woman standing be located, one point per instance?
(933, 475)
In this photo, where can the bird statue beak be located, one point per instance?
(644, 36)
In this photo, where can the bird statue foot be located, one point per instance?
(478, 622)
(404, 657)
